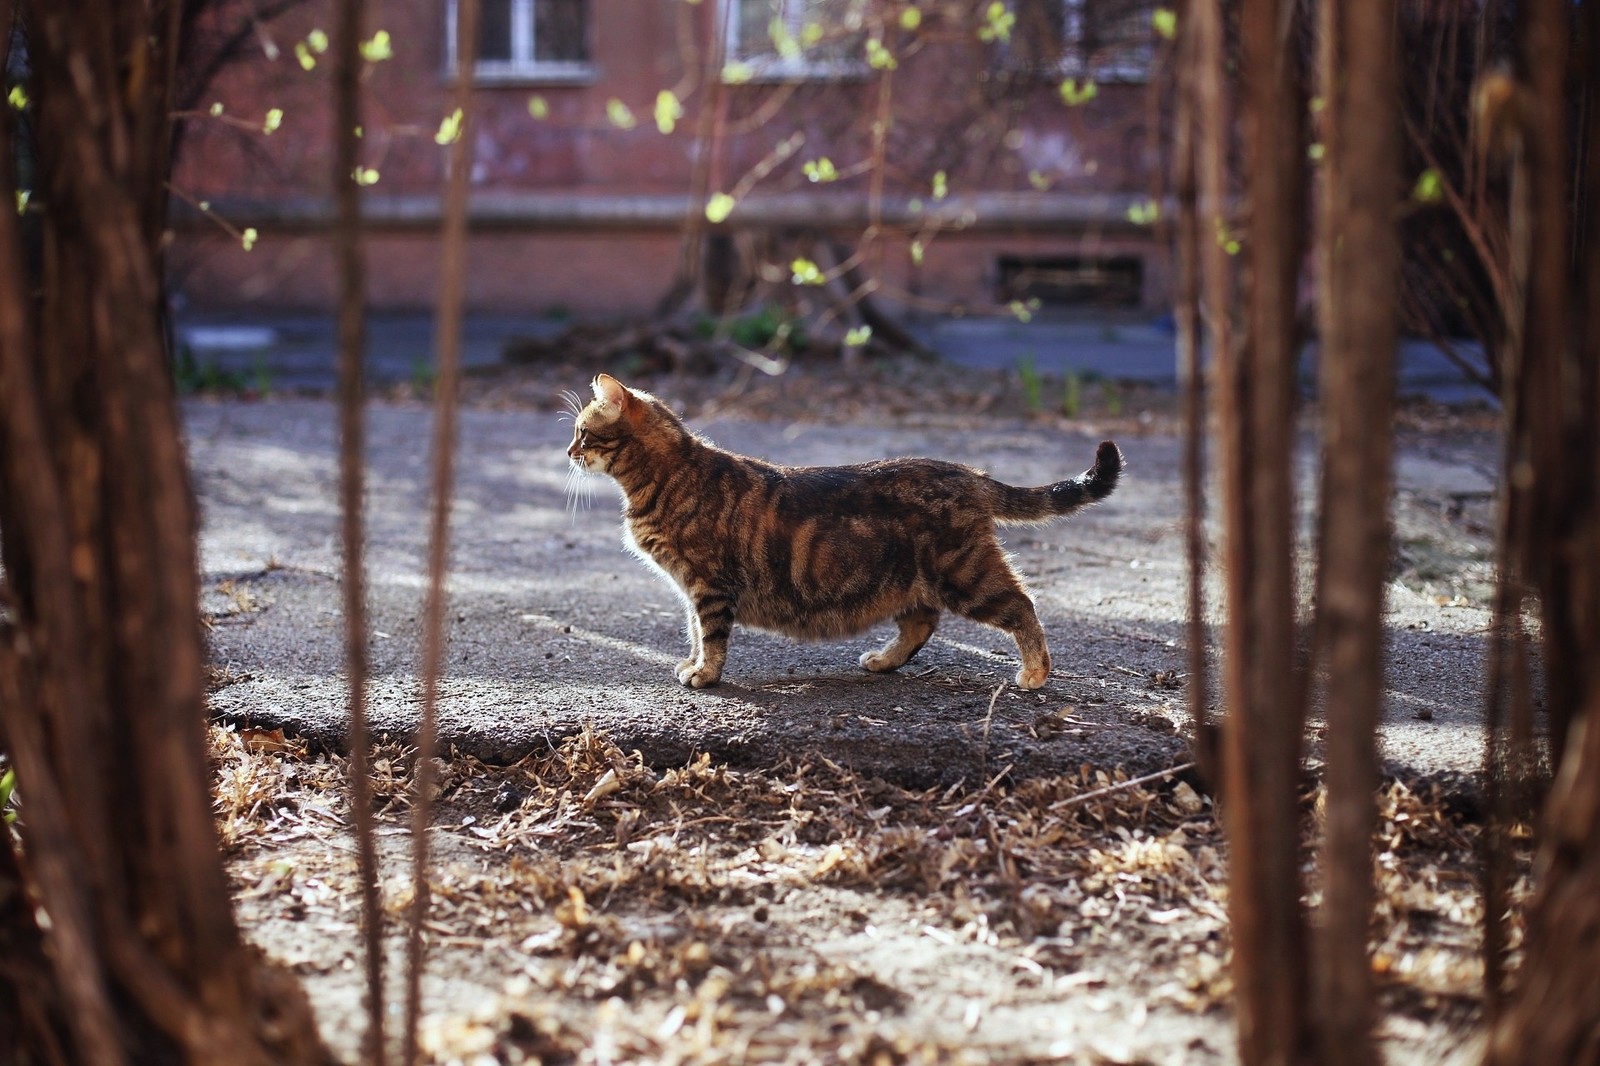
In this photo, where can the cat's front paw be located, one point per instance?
(1033, 676)
(698, 676)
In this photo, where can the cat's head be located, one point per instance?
(616, 420)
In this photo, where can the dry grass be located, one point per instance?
(609, 912)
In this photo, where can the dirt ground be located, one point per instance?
(808, 862)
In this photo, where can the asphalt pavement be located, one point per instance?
(554, 627)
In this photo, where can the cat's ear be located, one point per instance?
(611, 392)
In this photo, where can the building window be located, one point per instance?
(774, 40)
(527, 40)
(1102, 40)
(1072, 280)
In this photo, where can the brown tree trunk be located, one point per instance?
(1360, 266)
(101, 660)
(1553, 1016)
(1560, 489)
(1264, 694)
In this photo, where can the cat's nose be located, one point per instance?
(573, 451)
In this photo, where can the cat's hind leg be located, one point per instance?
(981, 585)
(1031, 646)
(916, 626)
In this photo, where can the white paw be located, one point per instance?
(702, 676)
(878, 662)
(687, 664)
(1032, 676)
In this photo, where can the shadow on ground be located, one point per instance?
(554, 627)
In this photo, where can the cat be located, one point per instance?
(818, 552)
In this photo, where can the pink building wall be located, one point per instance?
(572, 212)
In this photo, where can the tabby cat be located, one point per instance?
(818, 552)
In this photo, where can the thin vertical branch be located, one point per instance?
(882, 117)
(1360, 257)
(1502, 131)
(1556, 485)
(1494, 861)
(352, 487)
(447, 345)
(1265, 697)
(707, 140)
(1505, 682)
(1191, 370)
(1214, 128)
(1215, 131)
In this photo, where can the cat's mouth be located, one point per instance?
(581, 457)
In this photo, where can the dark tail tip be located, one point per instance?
(1091, 486)
(1102, 477)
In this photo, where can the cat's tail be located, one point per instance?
(1064, 497)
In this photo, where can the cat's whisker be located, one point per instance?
(573, 407)
(579, 490)
(571, 491)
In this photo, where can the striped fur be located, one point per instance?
(819, 552)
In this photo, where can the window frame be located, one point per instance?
(1074, 61)
(772, 67)
(522, 68)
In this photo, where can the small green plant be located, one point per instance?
(186, 370)
(191, 375)
(423, 374)
(1072, 396)
(770, 328)
(1113, 397)
(260, 376)
(1032, 384)
(759, 329)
